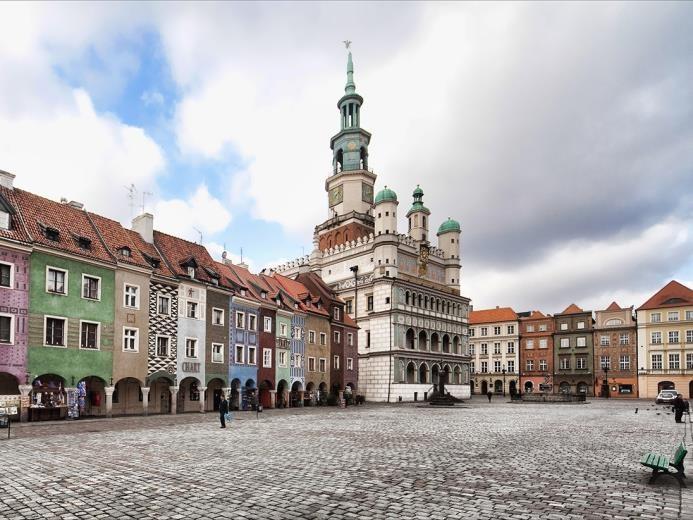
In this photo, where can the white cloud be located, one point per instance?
(202, 213)
(152, 97)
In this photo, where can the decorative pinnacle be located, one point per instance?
(350, 87)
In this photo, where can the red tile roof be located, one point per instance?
(572, 309)
(179, 252)
(116, 237)
(301, 293)
(535, 315)
(673, 294)
(254, 283)
(145, 248)
(492, 315)
(613, 307)
(40, 214)
(18, 230)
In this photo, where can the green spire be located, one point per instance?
(350, 87)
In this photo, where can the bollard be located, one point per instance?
(416, 396)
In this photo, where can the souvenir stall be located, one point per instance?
(48, 400)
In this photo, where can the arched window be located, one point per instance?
(426, 302)
(423, 340)
(416, 221)
(338, 161)
(406, 297)
(411, 372)
(423, 221)
(410, 339)
(420, 300)
(364, 158)
(435, 342)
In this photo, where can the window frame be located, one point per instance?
(322, 365)
(267, 324)
(266, 355)
(197, 350)
(98, 334)
(253, 349)
(337, 336)
(252, 317)
(168, 345)
(239, 315)
(137, 340)
(125, 295)
(11, 266)
(221, 351)
(223, 318)
(335, 362)
(98, 287)
(283, 358)
(66, 279)
(160, 297)
(350, 363)
(311, 364)
(195, 305)
(12, 325)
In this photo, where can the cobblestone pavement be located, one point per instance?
(373, 462)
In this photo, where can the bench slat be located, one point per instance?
(679, 455)
(655, 461)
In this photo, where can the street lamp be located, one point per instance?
(606, 380)
(503, 380)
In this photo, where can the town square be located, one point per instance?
(477, 460)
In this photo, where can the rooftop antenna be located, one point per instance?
(241, 255)
(144, 198)
(200, 232)
(131, 197)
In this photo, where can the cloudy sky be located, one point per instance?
(559, 135)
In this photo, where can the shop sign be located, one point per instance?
(10, 404)
(190, 367)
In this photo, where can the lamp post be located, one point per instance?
(606, 380)
(503, 371)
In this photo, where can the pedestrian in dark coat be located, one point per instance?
(679, 407)
(223, 410)
(489, 394)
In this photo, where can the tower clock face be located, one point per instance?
(351, 146)
(367, 193)
(336, 195)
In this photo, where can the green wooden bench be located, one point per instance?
(660, 464)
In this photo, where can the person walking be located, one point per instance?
(489, 394)
(223, 410)
(679, 407)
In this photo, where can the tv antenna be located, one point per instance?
(131, 198)
(200, 232)
(145, 194)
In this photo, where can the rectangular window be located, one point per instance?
(130, 337)
(164, 305)
(240, 355)
(350, 364)
(472, 367)
(655, 317)
(349, 306)
(252, 322)
(580, 324)
(656, 361)
(543, 343)
(673, 336)
(323, 365)
(89, 335)
(162, 344)
(335, 362)
(689, 336)
(369, 302)
(496, 331)
(268, 324)
(604, 341)
(564, 326)
(582, 341)
(496, 348)
(90, 287)
(689, 361)
(240, 320)
(674, 361)
(192, 310)
(565, 342)
(190, 348)
(581, 363)
(673, 316)
(323, 338)
(511, 365)
(6, 329)
(624, 362)
(605, 362)
(511, 329)
(530, 328)
(283, 360)
(56, 280)
(368, 339)
(217, 316)
(252, 356)
(529, 345)
(511, 347)
(471, 332)
(496, 366)
(337, 336)
(484, 331)
(543, 365)
(472, 351)
(484, 366)
(283, 330)
(542, 327)
(267, 357)
(656, 338)
(623, 339)
(311, 336)
(217, 353)
(6, 271)
(565, 363)
(689, 315)
(350, 339)
(297, 361)
(529, 364)
(132, 296)
(311, 364)
(335, 313)
(484, 349)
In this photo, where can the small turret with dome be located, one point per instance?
(385, 212)
(450, 225)
(386, 194)
(449, 241)
(418, 217)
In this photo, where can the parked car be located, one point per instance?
(666, 397)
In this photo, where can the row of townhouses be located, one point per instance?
(98, 319)
(614, 352)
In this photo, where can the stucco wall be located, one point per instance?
(15, 301)
(126, 363)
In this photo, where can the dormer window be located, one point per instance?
(263, 294)
(4, 220)
(154, 262)
(279, 302)
(295, 305)
(191, 272)
(52, 234)
(215, 281)
(243, 291)
(84, 242)
(125, 251)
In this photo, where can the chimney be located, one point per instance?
(144, 225)
(243, 265)
(75, 204)
(7, 179)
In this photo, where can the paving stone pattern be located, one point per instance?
(372, 462)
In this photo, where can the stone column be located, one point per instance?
(24, 390)
(273, 398)
(301, 393)
(174, 399)
(203, 397)
(109, 400)
(145, 400)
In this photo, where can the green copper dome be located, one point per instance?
(418, 202)
(384, 195)
(418, 192)
(449, 225)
